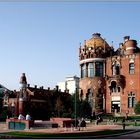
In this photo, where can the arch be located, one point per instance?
(113, 86)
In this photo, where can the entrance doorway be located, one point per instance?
(115, 106)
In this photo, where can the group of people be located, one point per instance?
(21, 117)
(79, 123)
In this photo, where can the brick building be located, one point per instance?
(39, 102)
(110, 79)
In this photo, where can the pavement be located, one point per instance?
(89, 128)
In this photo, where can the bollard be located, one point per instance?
(135, 122)
(123, 126)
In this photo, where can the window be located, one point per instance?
(131, 99)
(115, 68)
(90, 70)
(131, 68)
(99, 68)
(119, 89)
(90, 97)
(83, 71)
(114, 87)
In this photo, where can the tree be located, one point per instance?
(137, 108)
(58, 106)
(86, 109)
(81, 107)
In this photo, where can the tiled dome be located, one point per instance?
(97, 41)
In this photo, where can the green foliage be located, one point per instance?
(85, 109)
(80, 107)
(4, 114)
(0, 105)
(137, 108)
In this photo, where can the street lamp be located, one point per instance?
(75, 109)
(13, 109)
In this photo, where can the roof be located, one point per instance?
(96, 41)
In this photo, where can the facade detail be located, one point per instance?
(109, 78)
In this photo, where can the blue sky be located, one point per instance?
(42, 38)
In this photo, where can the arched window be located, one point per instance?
(113, 86)
(115, 68)
(131, 68)
(83, 71)
(90, 70)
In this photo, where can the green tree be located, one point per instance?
(81, 108)
(137, 108)
(59, 106)
(85, 109)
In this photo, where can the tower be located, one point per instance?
(23, 93)
(92, 56)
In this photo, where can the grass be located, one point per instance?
(64, 135)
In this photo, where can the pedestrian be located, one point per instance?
(135, 122)
(21, 117)
(28, 117)
(123, 123)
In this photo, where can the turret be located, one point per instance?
(130, 45)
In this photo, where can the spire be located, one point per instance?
(104, 45)
(23, 79)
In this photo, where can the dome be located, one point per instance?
(130, 43)
(96, 41)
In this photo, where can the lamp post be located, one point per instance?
(75, 108)
(13, 109)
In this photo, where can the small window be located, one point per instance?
(83, 71)
(131, 99)
(115, 68)
(90, 70)
(119, 89)
(131, 68)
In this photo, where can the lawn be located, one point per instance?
(63, 135)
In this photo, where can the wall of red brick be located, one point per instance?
(132, 82)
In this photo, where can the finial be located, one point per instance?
(85, 42)
(111, 43)
(23, 79)
(80, 44)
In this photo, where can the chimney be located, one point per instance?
(126, 38)
(35, 86)
(57, 87)
(48, 88)
(120, 45)
(28, 85)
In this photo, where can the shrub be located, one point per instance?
(137, 108)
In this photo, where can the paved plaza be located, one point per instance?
(89, 128)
